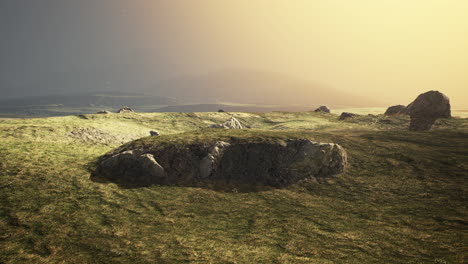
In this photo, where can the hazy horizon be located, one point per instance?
(389, 51)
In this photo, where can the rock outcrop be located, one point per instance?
(239, 163)
(396, 110)
(132, 167)
(125, 109)
(322, 109)
(426, 109)
(232, 123)
(346, 115)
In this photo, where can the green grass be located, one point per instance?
(403, 200)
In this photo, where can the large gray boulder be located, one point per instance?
(239, 163)
(396, 110)
(427, 108)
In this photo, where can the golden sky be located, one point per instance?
(389, 49)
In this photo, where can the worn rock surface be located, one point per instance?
(274, 164)
(346, 115)
(232, 123)
(322, 109)
(427, 108)
(396, 110)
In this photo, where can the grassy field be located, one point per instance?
(403, 200)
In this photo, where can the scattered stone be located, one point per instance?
(125, 109)
(104, 112)
(396, 110)
(427, 108)
(232, 123)
(154, 133)
(346, 115)
(322, 109)
(239, 163)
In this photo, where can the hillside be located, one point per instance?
(403, 200)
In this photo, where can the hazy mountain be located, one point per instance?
(256, 87)
(230, 108)
(127, 84)
(127, 73)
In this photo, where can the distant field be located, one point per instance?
(403, 200)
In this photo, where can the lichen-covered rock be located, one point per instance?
(346, 115)
(427, 108)
(232, 123)
(233, 163)
(396, 110)
(322, 109)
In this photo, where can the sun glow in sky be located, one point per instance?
(394, 49)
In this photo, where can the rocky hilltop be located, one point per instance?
(238, 159)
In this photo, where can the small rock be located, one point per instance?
(221, 111)
(322, 109)
(154, 133)
(103, 112)
(125, 109)
(346, 115)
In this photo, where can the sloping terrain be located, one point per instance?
(403, 200)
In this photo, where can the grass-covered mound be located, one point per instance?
(403, 199)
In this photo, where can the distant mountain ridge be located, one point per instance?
(230, 108)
